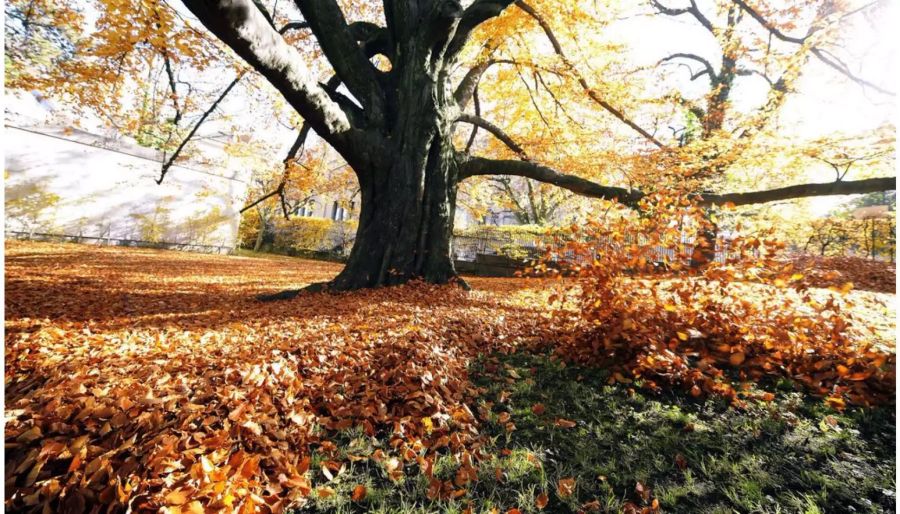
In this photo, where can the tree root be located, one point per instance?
(288, 294)
(319, 287)
(459, 281)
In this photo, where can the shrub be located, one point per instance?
(302, 233)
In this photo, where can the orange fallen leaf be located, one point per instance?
(565, 423)
(565, 487)
(541, 501)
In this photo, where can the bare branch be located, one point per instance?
(548, 31)
(172, 85)
(708, 68)
(693, 10)
(293, 25)
(770, 27)
(477, 103)
(168, 163)
(295, 150)
(472, 166)
(846, 72)
(818, 52)
(292, 154)
(745, 72)
(851, 187)
(263, 198)
(496, 131)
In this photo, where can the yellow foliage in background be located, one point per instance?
(298, 234)
(302, 233)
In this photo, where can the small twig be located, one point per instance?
(168, 164)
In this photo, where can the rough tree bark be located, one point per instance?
(396, 131)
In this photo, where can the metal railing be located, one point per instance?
(526, 247)
(112, 241)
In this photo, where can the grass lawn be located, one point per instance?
(153, 380)
(790, 455)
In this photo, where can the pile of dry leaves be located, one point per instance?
(864, 274)
(717, 328)
(149, 380)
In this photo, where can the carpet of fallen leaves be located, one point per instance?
(864, 274)
(148, 380)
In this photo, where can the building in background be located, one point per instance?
(63, 181)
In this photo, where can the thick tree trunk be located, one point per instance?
(406, 216)
(405, 225)
(262, 232)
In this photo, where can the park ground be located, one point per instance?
(153, 380)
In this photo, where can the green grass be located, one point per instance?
(791, 455)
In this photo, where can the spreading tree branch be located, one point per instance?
(327, 22)
(850, 187)
(479, 12)
(470, 81)
(496, 131)
(472, 166)
(241, 26)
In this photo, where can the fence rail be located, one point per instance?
(466, 248)
(525, 247)
(112, 241)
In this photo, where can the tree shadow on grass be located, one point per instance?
(792, 454)
(631, 449)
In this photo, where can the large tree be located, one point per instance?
(396, 132)
(395, 96)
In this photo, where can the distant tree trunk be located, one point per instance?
(874, 238)
(260, 235)
(705, 246)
